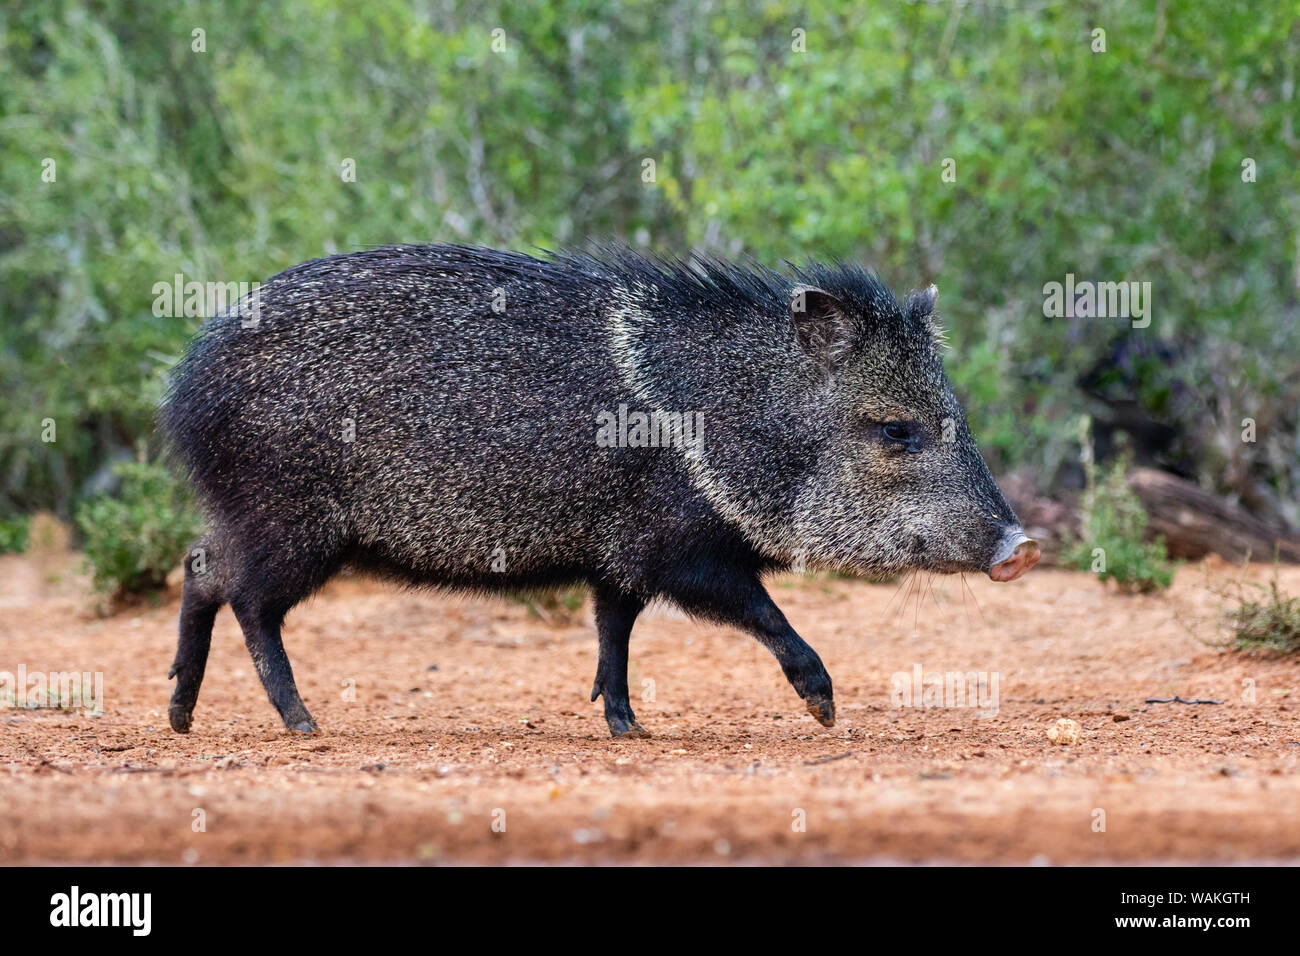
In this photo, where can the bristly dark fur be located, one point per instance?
(430, 413)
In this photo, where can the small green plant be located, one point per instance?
(53, 700)
(14, 535)
(135, 537)
(1113, 525)
(557, 607)
(1271, 622)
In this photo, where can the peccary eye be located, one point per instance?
(896, 436)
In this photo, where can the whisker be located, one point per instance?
(965, 620)
(974, 599)
(916, 613)
(892, 598)
(933, 597)
(903, 592)
(906, 588)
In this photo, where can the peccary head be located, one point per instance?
(831, 435)
(899, 482)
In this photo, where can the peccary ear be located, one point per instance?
(921, 308)
(822, 325)
(923, 302)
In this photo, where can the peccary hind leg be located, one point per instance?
(199, 606)
(615, 614)
(261, 625)
(737, 597)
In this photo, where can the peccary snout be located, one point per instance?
(1016, 554)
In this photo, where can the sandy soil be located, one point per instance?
(459, 730)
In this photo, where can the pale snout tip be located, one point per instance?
(1017, 554)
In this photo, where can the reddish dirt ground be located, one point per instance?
(443, 716)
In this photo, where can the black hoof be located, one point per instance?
(625, 728)
(823, 709)
(180, 718)
(304, 725)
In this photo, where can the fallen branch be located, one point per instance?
(830, 759)
(1179, 700)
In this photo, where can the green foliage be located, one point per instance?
(1112, 519)
(1118, 165)
(14, 535)
(1270, 622)
(135, 537)
(558, 607)
(224, 165)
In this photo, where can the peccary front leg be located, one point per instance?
(803, 668)
(739, 599)
(615, 614)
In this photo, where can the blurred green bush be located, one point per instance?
(1112, 541)
(1270, 621)
(135, 536)
(14, 533)
(778, 129)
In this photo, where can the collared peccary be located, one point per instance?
(489, 421)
